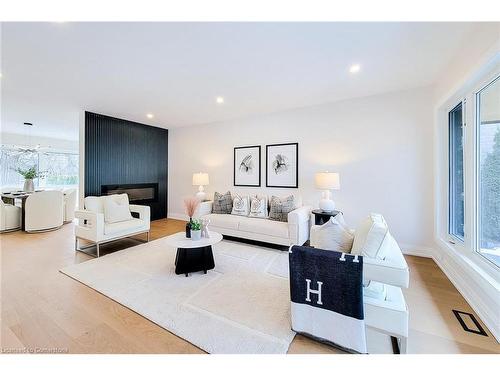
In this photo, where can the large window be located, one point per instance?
(61, 168)
(456, 175)
(488, 142)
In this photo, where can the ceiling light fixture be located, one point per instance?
(355, 68)
(219, 100)
(150, 115)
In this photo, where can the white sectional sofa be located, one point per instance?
(293, 232)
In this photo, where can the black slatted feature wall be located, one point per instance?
(121, 152)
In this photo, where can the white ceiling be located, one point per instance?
(50, 71)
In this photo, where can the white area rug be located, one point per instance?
(241, 306)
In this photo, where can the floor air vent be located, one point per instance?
(471, 321)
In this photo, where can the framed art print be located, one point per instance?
(247, 166)
(282, 167)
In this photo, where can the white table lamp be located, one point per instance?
(200, 179)
(327, 181)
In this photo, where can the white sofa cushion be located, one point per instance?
(116, 208)
(123, 226)
(241, 205)
(223, 221)
(369, 236)
(268, 227)
(258, 206)
(333, 235)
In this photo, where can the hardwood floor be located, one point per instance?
(42, 310)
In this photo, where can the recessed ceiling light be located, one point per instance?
(355, 68)
(150, 115)
(219, 100)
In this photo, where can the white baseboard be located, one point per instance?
(418, 251)
(177, 216)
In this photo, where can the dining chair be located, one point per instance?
(44, 211)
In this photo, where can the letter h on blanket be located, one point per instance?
(326, 290)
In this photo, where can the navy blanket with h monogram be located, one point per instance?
(326, 290)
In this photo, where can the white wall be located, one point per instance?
(381, 146)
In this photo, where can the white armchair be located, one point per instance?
(10, 217)
(44, 211)
(92, 226)
(385, 306)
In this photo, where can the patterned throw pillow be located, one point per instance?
(280, 207)
(223, 204)
(241, 205)
(258, 206)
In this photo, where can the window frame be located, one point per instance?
(453, 238)
(466, 250)
(476, 149)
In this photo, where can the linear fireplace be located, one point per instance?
(137, 193)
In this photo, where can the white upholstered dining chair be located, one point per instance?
(44, 210)
(10, 217)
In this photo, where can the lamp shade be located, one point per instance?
(327, 181)
(200, 179)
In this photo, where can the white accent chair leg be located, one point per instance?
(147, 240)
(403, 345)
(97, 245)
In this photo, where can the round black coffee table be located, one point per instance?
(193, 255)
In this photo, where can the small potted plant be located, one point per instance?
(29, 174)
(195, 230)
(190, 204)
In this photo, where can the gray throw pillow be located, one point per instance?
(223, 204)
(280, 207)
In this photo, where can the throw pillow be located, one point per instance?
(333, 235)
(223, 204)
(116, 208)
(258, 206)
(369, 236)
(280, 207)
(241, 205)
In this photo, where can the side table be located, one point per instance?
(321, 217)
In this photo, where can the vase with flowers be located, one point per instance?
(29, 175)
(190, 205)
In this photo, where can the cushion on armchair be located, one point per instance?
(369, 237)
(333, 235)
(116, 208)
